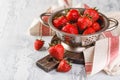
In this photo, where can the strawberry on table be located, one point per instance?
(60, 21)
(92, 13)
(38, 44)
(57, 51)
(69, 28)
(89, 30)
(72, 15)
(63, 66)
(84, 22)
(96, 26)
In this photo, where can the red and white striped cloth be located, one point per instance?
(105, 55)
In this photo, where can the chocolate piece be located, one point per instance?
(76, 58)
(47, 63)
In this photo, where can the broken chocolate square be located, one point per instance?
(47, 63)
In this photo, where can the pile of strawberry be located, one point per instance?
(57, 52)
(76, 23)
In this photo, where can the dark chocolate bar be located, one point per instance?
(76, 58)
(47, 63)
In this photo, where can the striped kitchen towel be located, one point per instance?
(105, 55)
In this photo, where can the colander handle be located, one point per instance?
(115, 25)
(42, 20)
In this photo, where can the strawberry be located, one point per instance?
(38, 44)
(57, 51)
(84, 22)
(69, 28)
(96, 26)
(92, 13)
(59, 22)
(63, 66)
(89, 30)
(72, 15)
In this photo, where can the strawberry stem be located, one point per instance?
(95, 8)
(79, 11)
(66, 11)
(87, 15)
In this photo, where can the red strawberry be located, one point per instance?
(63, 66)
(38, 44)
(57, 51)
(92, 13)
(59, 22)
(96, 26)
(69, 28)
(72, 15)
(89, 30)
(84, 22)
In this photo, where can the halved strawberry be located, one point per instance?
(57, 51)
(63, 66)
